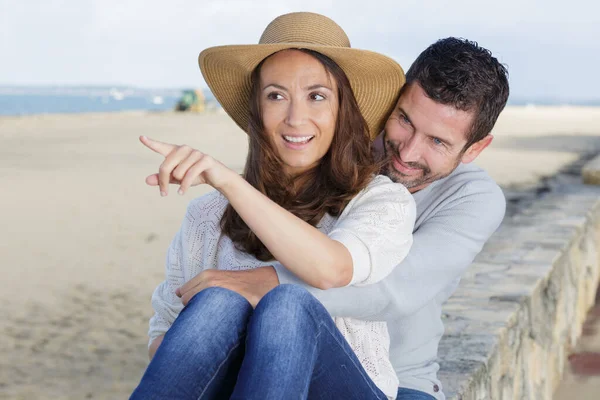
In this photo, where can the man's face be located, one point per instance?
(425, 140)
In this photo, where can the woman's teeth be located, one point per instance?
(297, 139)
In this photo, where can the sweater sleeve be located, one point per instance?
(185, 258)
(376, 228)
(443, 248)
(165, 302)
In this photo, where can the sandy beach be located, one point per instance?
(83, 239)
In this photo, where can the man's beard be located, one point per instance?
(398, 177)
(426, 177)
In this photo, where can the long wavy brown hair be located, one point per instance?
(346, 169)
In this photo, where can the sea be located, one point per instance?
(31, 100)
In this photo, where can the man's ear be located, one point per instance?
(476, 148)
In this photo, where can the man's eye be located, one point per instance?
(274, 96)
(317, 96)
(437, 141)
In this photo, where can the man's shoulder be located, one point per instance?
(467, 181)
(469, 191)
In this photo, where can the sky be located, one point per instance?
(551, 48)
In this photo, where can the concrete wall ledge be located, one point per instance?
(521, 307)
(591, 171)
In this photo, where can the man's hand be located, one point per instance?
(253, 284)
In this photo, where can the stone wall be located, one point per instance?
(521, 307)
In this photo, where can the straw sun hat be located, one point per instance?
(375, 79)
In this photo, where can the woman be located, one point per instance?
(309, 199)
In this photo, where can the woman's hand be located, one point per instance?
(186, 167)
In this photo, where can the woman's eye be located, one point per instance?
(274, 96)
(404, 119)
(317, 96)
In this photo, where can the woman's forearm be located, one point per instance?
(154, 346)
(303, 249)
(310, 254)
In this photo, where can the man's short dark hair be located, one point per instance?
(460, 73)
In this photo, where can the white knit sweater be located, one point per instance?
(376, 227)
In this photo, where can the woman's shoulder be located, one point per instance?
(385, 182)
(384, 198)
(210, 205)
(382, 188)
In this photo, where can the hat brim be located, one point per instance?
(376, 79)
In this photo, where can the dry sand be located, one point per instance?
(83, 239)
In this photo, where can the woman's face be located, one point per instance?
(299, 104)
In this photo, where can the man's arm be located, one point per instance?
(443, 248)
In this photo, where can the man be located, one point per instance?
(453, 95)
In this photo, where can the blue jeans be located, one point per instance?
(288, 347)
(411, 394)
(200, 354)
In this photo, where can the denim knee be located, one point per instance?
(218, 297)
(289, 304)
(288, 293)
(211, 304)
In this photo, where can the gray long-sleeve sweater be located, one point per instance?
(455, 217)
